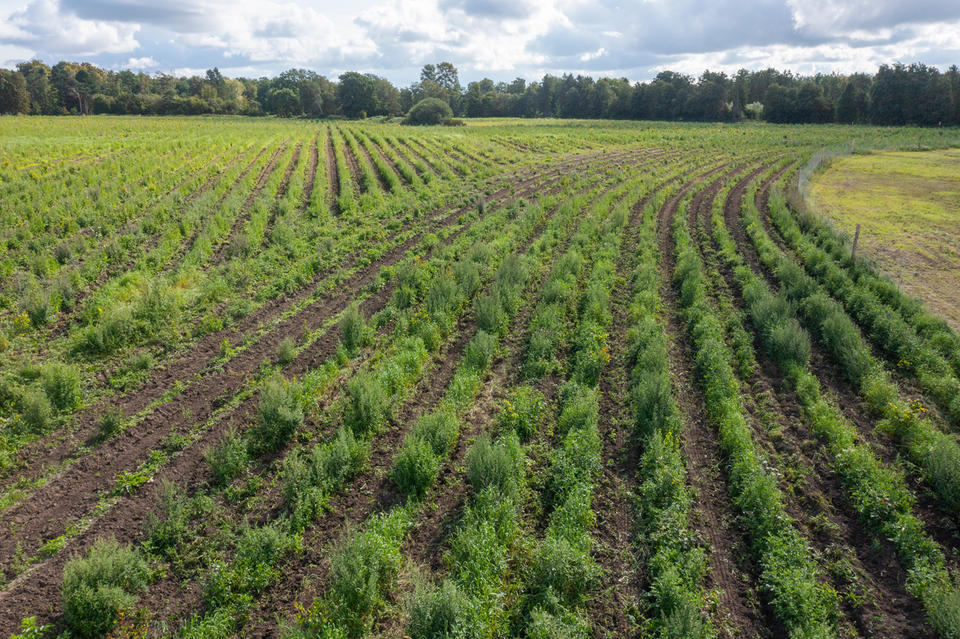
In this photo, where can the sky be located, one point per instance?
(498, 39)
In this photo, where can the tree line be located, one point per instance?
(897, 94)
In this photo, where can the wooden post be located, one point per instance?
(919, 137)
(853, 146)
(856, 240)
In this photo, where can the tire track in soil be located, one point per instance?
(189, 469)
(333, 175)
(715, 516)
(208, 347)
(124, 452)
(903, 615)
(258, 186)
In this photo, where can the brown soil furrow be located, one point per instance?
(715, 514)
(207, 349)
(308, 184)
(403, 158)
(621, 583)
(88, 475)
(244, 213)
(333, 174)
(381, 180)
(353, 164)
(389, 162)
(282, 191)
(818, 499)
(435, 155)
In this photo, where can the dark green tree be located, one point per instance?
(14, 95)
(357, 94)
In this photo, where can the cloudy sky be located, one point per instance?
(499, 39)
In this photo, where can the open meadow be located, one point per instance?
(908, 206)
(522, 378)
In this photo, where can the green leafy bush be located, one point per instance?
(523, 412)
(480, 351)
(495, 464)
(61, 383)
(286, 351)
(36, 414)
(429, 111)
(280, 414)
(439, 429)
(366, 405)
(229, 459)
(96, 588)
(416, 468)
(352, 329)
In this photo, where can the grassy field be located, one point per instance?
(908, 204)
(300, 379)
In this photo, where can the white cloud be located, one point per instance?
(586, 57)
(419, 31)
(140, 63)
(43, 26)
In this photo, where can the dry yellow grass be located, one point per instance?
(908, 205)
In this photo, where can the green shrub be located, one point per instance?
(287, 351)
(495, 465)
(442, 296)
(480, 351)
(490, 315)
(439, 613)
(790, 345)
(112, 423)
(239, 248)
(429, 111)
(564, 570)
(439, 429)
(363, 568)
(229, 459)
(523, 412)
(352, 329)
(61, 383)
(39, 310)
(562, 625)
(366, 405)
(581, 408)
(468, 278)
(416, 468)
(653, 406)
(96, 588)
(36, 413)
(280, 414)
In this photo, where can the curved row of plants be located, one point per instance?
(876, 491)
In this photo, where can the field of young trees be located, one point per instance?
(278, 378)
